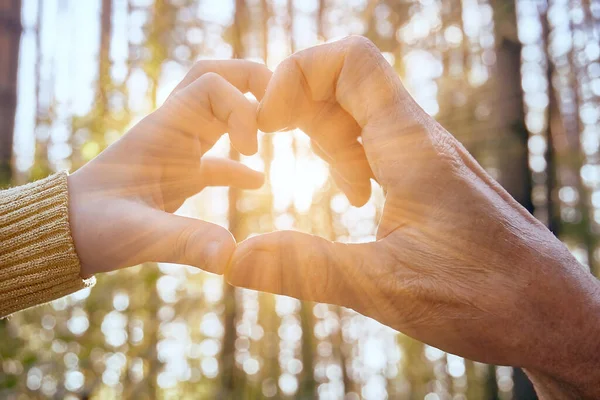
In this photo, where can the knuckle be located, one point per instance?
(357, 42)
(183, 247)
(286, 237)
(447, 149)
(200, 67)
(210, 79)
(174, 102)
(252, 65)
(293, 62)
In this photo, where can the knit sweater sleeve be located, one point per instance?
(38, 262)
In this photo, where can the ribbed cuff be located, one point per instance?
(38, 262)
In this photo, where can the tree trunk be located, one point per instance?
(515, 175)
(231, 380)
(554, 129)
(104, 57)
(10, 38)
(510, 115)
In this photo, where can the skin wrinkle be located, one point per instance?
(183, 250)
(247, 83)
(208, 102)
(480, 173)
(369, 302)
(306, 88)
(441, 293)
(336, 79)
(324, 291)
(357, 44)
(516, 230)
(403, 292)
(458, 264)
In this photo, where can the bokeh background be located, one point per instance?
(517, 81)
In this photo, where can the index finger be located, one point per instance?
(351, 72)
(246, 76)
(352, 75)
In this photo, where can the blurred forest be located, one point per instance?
(517, 81)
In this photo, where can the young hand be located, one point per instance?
(121, 203)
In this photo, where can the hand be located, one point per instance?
(121, 202)
(457, 264)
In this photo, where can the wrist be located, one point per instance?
(75, 224)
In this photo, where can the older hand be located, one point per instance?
(121, 202)
(458, 263)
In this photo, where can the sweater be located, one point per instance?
(38, 262)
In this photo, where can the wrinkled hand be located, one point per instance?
(121, 202)
(457, 264)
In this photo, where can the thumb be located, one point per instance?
(309, 268)
(189, 241)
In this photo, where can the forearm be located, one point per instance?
(574, 374)
(38, 262)
(549, 388)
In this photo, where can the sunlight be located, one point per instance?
(179, 324)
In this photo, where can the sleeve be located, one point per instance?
(38, 262)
